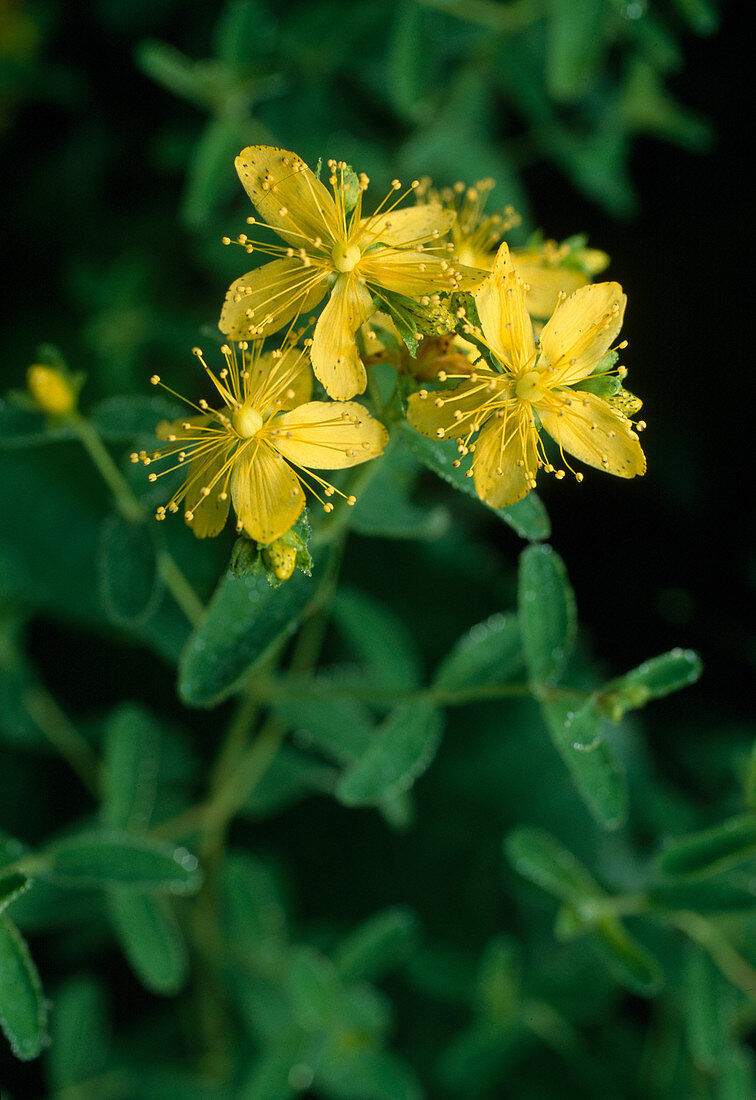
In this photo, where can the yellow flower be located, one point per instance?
(551, 269)
(257, 451)
(329, 250)
(531, 388)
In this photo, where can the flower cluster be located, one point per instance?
(429, 286)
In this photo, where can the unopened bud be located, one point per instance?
(51, 390)
(280, 559)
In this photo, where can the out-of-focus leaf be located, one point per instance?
(11, 887)
(575, 43)
(209, 180)
(20, 427)
(499, 979)
(379, 640)
(597, 775)
(712, 850)
(489, 653)
(528, 517)
(291, 776)
(129, 583)
(130, 768)
(123, 417)
(254, 909)
(116, 860)
(314, 989)
(540, 857)
(377, 946)
(271, 1076)
(403, 748)
(384, 510)
(23, 1012)
(705, 1005)
(630, 963)
(548, 616)
(367, 1075)
(151, 939)
(80, 1041)
(245, 619)
(340, 728)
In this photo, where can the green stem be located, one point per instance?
(63, 736)
(132, 509)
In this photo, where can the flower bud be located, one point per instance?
(51, 390)
(280, 558)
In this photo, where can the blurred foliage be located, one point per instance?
(447, 864)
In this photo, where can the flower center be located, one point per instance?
(247, 421)
(345, 257)
(530, 387)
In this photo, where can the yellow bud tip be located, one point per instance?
(50, 390)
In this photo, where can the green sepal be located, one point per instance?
(248, 557)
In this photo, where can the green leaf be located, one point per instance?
(377, 946)
(598, 777)
(383, 510)
(655, 678)
(403, 748)
(489, 653)
(499, 979)
(244, 621)
(208, 180)
(151, 939)
(23, 1013)
(630, 963)
(378, 638)
(128, 580)
(119, 860)
(80, 1046)
(541, 858)
(704, 1002)
(366, 1075)
(11, 887)
(548, 616)
(314, 988)
(290, 777)
(132, 746)
(270, 1079)
(576, 39)
(528, 517)
(583, 726)
(712, 850)
(123, 417)
(342, 729)
(253, 908)
(22, 427)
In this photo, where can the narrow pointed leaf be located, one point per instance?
(23, 1012)
(541, 858)
(403, 748)
(655, 678)
(712, 850)
(630, 963)
(377, 946)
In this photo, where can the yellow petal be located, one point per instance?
(328, 435)
(407, 272)
(289, 197)
(545, 284)
(586, 427)
(405, 228)
(264, 300)
(267, 494)
(505, 462)
(436, 412)
(581, 331)
(504, 318)
(280, 382)
(335, 358)
(209, 513)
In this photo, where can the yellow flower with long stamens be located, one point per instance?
(330, 250)
(259, 450)
(531, 387)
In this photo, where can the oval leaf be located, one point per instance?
(245, 619)
(548, 617)
(655, 678)
(403, 747)
(79, 1013)
(113, 859)
(130, 772)
(23, 1013)
(151, 939)
(490, 653)
(539, 857)
(129, 585)
(379, 945)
